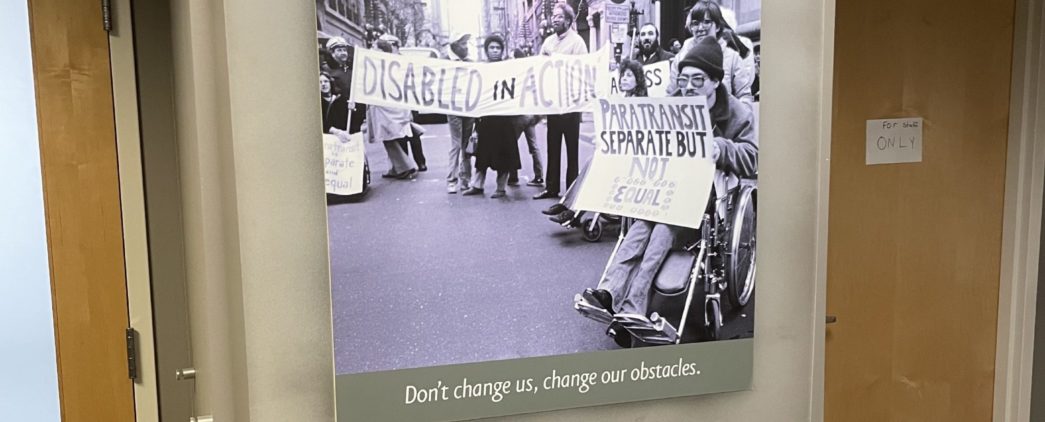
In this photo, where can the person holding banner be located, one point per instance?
(498, 146)
(705, 19)
(339, 68)
(632, 84)
(390, 126)
(562, 127)
(460, 129)
(626, 283)
(413, 144)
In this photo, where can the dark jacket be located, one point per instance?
(735, 135)
(335, 113)
(658, 56)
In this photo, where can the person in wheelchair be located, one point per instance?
(624, 289)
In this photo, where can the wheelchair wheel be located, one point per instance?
(740, 258)
(593, 230)
(713, 315)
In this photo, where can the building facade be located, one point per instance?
(341, 18)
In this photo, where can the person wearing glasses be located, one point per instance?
(705, 19)
(562, 127)
(624, 289)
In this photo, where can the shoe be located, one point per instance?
(604, 297)
(409, 174)
(513, 182)
(451, 188)
(422, 167)
(546, 195)
(555, 209)
(472, 192)
(563, 217)
(538, 182)
(498, 194)
(390, 175)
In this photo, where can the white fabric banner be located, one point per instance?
(533, 85)
(344, 162)
(652, 160)
(657, 75)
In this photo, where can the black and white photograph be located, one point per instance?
(462, 235)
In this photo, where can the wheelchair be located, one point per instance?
(718, 260)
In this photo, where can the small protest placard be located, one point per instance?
(652, 160)
(344, 163)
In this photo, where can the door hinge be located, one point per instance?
(107, 15)
(132, 354)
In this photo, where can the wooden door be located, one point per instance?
(82, 206)
(914, 249)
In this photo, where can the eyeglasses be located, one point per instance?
(696, 81)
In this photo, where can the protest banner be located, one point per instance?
(344, 164)
(657, 75)
(652, 160)
(533, 85)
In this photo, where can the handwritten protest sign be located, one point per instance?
(533, 85)
(657, 75)
(344, 163)
(652, 160)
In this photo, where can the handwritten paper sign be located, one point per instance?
(534, 85)
(652, 160)
(344, 163)
(891, 141)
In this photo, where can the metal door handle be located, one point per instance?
(185, 374)
(207, 418)
(831, 319)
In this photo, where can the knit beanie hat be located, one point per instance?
(706, 56)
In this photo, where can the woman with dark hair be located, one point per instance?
(705, 19)
(632, 78)
(632, 84)
(498, 145)
(334, 106)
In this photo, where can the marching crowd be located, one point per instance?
(715, 62)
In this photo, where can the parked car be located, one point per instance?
(424, 118)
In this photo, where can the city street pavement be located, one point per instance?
(423, 278)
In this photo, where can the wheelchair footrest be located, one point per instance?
(586, 306)
(653, 330)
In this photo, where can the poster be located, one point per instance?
(343, 164)
(484, 266)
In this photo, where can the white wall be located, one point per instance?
(256, 236)
(29, 386)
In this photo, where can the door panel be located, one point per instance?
(82, 206)
(914, 249)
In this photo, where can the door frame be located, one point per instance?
(1021, 231)
(132, 206)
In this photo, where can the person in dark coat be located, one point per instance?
(334, 106)
(650, 51)
(498, 146)
(339, 67)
